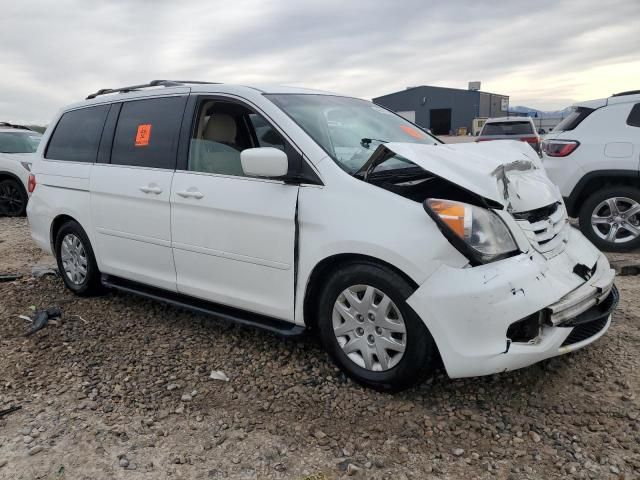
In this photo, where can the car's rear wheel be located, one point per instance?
(13, 198)
(76, 261)
(610, 218)
(370, 331)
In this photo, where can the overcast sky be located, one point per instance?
(544, 54)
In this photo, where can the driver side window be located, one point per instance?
(223, 130)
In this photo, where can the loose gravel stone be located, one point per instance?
(35, 450)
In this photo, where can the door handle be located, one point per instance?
(191, 194)
(151, 189)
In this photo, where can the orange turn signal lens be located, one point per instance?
(451, 213)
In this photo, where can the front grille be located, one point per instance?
(547, 228)
(585, 330)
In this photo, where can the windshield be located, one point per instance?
(19, 142)
(507, 128)
(350, 129)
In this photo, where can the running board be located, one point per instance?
(230, 314)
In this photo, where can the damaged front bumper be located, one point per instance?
(469, 311)
(593, 292)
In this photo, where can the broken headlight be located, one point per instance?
(478, 233)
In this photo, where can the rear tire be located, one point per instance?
(605, 222)
(387, 348)
(13, 198)
(76, 261)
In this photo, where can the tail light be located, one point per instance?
(559, 148)
(530, 139)
(31, 184)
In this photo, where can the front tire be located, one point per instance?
(76, 261)
(610, 218)
(369, 330)
(13, 198)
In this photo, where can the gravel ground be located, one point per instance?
(120, 388)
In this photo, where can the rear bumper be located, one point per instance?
(468, 311)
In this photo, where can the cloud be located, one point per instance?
(545, 54)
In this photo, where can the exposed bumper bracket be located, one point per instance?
(593, 292)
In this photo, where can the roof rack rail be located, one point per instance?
(12, 125)
(622, 94)
(152, 83)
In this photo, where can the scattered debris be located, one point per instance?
(9, 277)
(218, 375)
(9, 410)
(625, 268)
(41, 319)
(78, 316)
(41, 270)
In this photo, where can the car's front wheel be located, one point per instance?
(76, 261)
(370, 331)
(610, 218)
(13, 198)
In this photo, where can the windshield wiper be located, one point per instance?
(366, 142)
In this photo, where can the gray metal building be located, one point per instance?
(444, 110)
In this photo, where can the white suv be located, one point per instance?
(593, 155)
(289, 209)
(17, 145)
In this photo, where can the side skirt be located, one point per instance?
(230, 314)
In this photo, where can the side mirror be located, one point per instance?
(264, 162)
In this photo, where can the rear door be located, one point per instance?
(233, 236)
(130, 190)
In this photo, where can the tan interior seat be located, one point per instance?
(217, 151)
(221, 128)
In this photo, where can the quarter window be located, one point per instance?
(147, 133)
(223, 130)
(77, 135)
(634, 116)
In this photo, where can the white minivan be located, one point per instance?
(292, 209)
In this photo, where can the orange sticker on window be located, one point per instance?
(412, 132)
(143, 135)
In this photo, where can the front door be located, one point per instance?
(130, 192)
(233, 236)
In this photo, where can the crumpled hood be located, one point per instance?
(507, 172)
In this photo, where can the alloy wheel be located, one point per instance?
(74, 259)
(617, 220)
(11, 199)
(369, 328)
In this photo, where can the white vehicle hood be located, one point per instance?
(507, 172)
(18, 157)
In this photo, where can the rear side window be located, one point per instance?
(77, 135)
(508, 128)
(577, 115)
(147, 133)
(634, 116)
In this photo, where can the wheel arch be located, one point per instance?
(325, 267)
(596, 180)
(56, 224)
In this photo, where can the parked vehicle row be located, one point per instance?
(17, 143)
(593, 155)
(294, 209)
